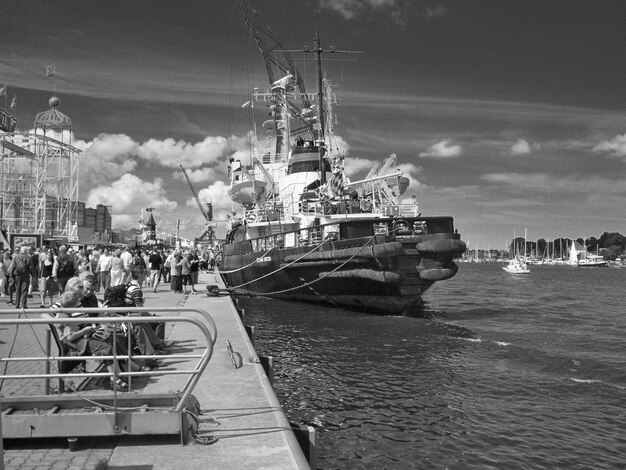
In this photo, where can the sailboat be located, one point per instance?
(517, 264)
(302, 230)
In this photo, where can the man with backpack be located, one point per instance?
(65, 267)
(20, 270)
(148, 340)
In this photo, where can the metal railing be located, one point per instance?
(206, 327)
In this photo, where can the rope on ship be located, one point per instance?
(307, 283)
(230, 289)
(248, 265)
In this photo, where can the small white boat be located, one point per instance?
(517, 266)
(592, 261)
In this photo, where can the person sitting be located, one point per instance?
(91, 339)
(148, 340)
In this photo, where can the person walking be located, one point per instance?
(104, 268)
(176, 278)
(21, 270)
(34, 268)
(155, 262)
(117, 269)
(186, 273)
(47, 284)
(65, 267)
(127, 258)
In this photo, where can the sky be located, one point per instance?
(507, 115)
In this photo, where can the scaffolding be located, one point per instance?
(39, 178)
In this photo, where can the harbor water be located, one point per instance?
(506, 372)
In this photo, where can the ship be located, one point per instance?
(303, 231)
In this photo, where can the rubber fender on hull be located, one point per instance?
(375, 251)
(442, 246)
(386, 277)
(439, 274)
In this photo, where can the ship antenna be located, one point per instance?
(320, 96)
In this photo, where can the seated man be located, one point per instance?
(147, 339)
(90, 300)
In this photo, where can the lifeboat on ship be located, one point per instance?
(244, 188)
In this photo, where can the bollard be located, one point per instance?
(72, 444)
(305, 435)
(268, 366)
(242, 314)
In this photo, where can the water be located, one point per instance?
(510, 372)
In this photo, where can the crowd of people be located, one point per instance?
(46, 271)
(64, 279)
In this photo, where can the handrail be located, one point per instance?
(210, 333)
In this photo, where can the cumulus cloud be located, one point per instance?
(200, 175)
(409, 169)
(172, 153)
(106, 158)
(442, 149)
(128, 196)
(616, 147)
(523, 147)
(352, 166)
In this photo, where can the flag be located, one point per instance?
(50, 70)
(13, 102)
(3, 90)
(336, 183)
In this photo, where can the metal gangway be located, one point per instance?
(98, 412)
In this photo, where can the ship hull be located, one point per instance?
(384, 274)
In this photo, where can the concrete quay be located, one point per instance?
(242, 425)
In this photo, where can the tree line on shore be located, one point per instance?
(610, 245)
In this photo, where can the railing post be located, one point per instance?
(47, 346)
(1, 440)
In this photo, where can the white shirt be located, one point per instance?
(105, 263)
(127, 258)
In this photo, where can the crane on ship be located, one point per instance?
(278, 62)
(207, 236)
(316, 119)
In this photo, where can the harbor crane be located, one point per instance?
(207, 236)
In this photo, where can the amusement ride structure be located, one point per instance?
(39, 177)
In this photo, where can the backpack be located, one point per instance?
(22, 265)
(139, 261)
(66, 268)
(115, 296)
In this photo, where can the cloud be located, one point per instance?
(128, 196)
(352, 166)
(106, 158)
(616, 147)
(172, 153)
(110, 156)
(522, 147)
(442, 149)
(201, 175)
(535, 183)
(350, 9)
